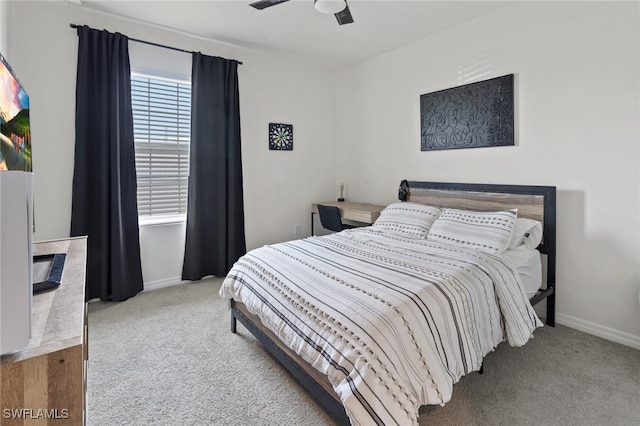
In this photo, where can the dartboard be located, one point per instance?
(280, 136)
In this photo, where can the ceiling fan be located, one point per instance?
(339, 8)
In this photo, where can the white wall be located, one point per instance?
(576, 69)
(279, 187)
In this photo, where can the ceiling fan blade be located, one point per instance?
(263, 4)
(344, 17)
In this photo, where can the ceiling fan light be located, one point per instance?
(330, 7)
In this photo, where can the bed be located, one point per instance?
(377, 321)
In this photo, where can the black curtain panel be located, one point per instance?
(215, 214)
(104, 205)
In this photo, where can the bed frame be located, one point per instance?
(534, 202)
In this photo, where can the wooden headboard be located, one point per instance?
(533, 202)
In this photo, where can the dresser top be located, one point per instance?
(57, 320)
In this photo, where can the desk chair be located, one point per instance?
(330, 218)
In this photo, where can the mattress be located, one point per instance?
(529, 266)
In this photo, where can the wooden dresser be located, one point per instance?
(45, 383)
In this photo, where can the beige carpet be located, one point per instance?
(167, 357)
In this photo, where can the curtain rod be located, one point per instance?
(152, 43)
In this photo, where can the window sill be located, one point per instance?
(161, 220)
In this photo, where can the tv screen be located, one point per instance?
(15, 130)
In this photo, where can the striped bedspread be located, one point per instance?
(393, 321)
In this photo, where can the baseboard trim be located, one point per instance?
(614, 335)
(165, 282)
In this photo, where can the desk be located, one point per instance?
(358, 212)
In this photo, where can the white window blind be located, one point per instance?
(161, 127)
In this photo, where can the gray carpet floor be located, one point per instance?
(167, 357)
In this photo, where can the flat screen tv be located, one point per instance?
(15, 131)
(16, 213)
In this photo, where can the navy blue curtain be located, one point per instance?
(215, 211)
(104, 205)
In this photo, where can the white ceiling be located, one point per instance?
(297, 27)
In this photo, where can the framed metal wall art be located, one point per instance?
(475, 115)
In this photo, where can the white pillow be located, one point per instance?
(411, 219)
(489, 232)
(527, 234)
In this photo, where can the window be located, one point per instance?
(161, 128)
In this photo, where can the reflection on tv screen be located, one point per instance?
(15, 129)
